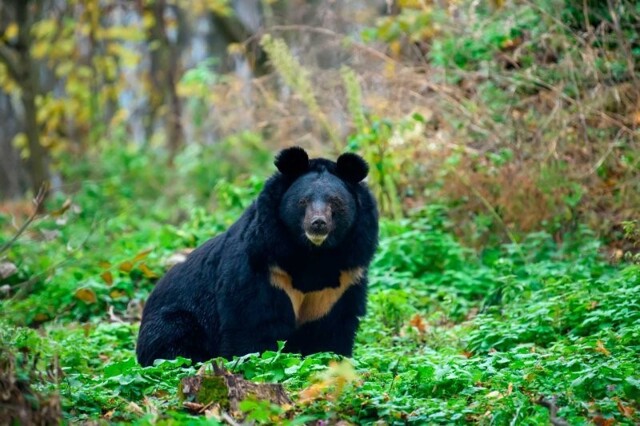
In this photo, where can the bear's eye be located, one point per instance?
(335, 201)
(303, 201)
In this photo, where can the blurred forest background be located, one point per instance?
(523, 115)
(504, 144)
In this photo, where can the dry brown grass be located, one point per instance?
(562, 139)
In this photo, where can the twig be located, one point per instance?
(227, 418)
(38, 203)
(550, 404)
(597, 164)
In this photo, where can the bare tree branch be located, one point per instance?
(38, 203)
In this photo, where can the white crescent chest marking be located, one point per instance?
(315, 304)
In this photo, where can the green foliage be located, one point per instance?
(451, 334)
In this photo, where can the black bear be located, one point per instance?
(292, 268)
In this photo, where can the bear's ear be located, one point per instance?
(352, 167)
(292, 161)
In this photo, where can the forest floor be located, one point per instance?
(529, 333)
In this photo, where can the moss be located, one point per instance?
(203, 390)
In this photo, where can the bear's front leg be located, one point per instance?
(255, 338)
(334, 332)
(256, 324)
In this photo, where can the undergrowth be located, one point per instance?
(452, 334)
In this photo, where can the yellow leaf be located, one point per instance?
(64, 68)
(107, 277)
(148, 20)
(39, 49)
(11, 31)
(104, 264)
(235, 48)
(126, 266)
(46, 28)
(142, 255)
(600, 348)
(411, 4)
(86, 295)
(123, 33)
(128, 57)
(116, 294)
(65, 206)
(20, 141)
(395, 47)
(311, 393)
(119, 117)
(147, 272)
(335, 378)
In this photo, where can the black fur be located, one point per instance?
(220, 301)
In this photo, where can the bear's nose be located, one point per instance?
(319, 225)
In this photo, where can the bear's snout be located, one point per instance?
(319, 225)
(317, 222)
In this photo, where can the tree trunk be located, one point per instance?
(17, 59)
(14, 180)
(21, 67)
(164, 77)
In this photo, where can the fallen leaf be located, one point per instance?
(418, 323)
(86, 295)
(116, 294)
(142, 255)
(626, 410)
(600, 348)
(147, 272)
(335, 377)
(311, 393)
(107, 276)
(135, 408)
(603, 421)
(126, 266)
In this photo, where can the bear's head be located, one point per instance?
(319, 206)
